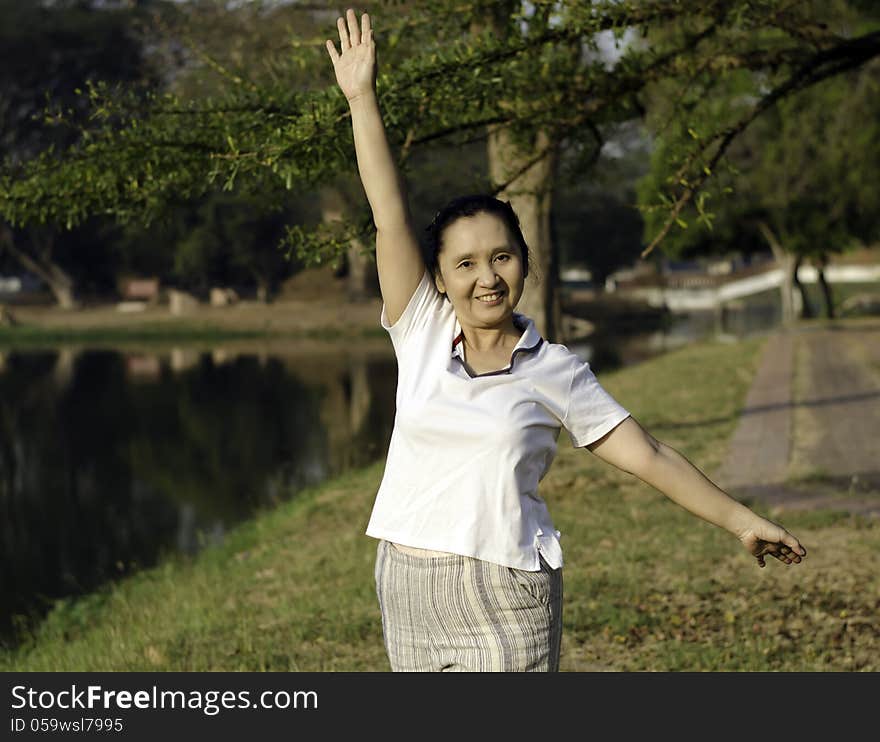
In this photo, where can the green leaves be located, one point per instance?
(697, 69)
(327, 242)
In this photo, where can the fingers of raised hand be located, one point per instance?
(344, 39)
(354, 30)
(350, 34)
(354, 34)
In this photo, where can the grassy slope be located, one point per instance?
(648, 586)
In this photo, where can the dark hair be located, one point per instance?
(471, 206)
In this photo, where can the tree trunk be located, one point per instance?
(526, 175)
(806, 308)
(785, 261)
(263, 292)
(360, 272)
(59, 282)
(362, 278)
(821, 263)
(529, 178)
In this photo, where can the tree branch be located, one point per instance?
(845, 56)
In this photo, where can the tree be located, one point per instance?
(228, 237)
(212, 47)
(456, 89)
(809, 174)
(55, 51)
(597, 220)
(802, 180)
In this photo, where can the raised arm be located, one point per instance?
(398, 258)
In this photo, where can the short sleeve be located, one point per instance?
(421, 313)
(592, 411)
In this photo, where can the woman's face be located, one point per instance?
(480, 270)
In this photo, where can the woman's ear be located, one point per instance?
(438, 282)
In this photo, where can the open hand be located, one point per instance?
(355, 66)
(764, 537)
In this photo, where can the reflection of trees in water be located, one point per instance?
(214, 438)
(99, 474)
(356, 395)
(70, 522)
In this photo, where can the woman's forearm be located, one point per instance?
(379, 174)
(678, 479)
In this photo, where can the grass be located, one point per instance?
(296, 315)
(32, 337)
(840, 292)
(647, 585)
(29, 337)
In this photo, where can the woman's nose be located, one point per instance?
(488, 276)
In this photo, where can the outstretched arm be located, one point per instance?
(631, 448)
(398, 259)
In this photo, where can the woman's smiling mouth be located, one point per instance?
(491, 298)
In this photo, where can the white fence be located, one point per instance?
(683, 300)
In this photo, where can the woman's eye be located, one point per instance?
(465, 264)
(503, 257)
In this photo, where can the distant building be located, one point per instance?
(13, 287)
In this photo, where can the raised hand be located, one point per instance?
(355, 67)
(764, 537)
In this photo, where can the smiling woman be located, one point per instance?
(469, 565)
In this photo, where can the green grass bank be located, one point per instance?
(156, 334)
(647, 585)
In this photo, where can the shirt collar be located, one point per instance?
(528, 341)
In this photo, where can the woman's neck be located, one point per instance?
(492, 339)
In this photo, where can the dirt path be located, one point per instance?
(809, 434)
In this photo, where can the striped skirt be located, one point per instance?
(460, 614)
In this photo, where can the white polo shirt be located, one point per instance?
(467, 452)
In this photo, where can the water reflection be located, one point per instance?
(620, 342)
(108, 460)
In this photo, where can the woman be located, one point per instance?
(469, 566)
